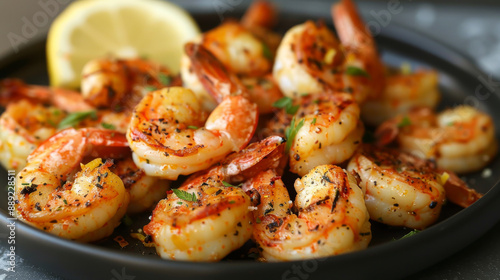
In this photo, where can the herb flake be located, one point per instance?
(356, 71)
(404, 122)
(108, 126)
(164, 79)
(291, 132)
(185, 195)
(74, 119)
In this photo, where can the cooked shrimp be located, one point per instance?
(461, 139)
(331, 215)
(207, 218)
(263, 91)
(359, 44)
(170, 134)
(85, 206)
(402, 92)
(144, 190)
(14, 89)
(260, 18)
(23, 126)
(117, 83)
(243, 54)
(401, 189)
(330, 133)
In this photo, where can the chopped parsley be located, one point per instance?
(411, 233)
(108, 126)
(287, 104)
(74, 119)
(226, 184)
(185, 195)
(150, 88)
(291, 132)
(356, 71)
(164, 79)
(192, 127)
(404, 122)
(266, 52)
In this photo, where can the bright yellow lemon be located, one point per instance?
(90, 29)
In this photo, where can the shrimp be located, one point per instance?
(331, 215)
(402, 92)
(461, 139)
(330, 133)
(169, 133)
(119, 83)
(23, 126)
(243, 54)
(144, 190)
(12, 90)
(259, 19)
(401, 189)
(206, 217)
(85, 206)
(359, 45)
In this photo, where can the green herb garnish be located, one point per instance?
(313, 121)
(411, 233)
(266, 51)
(404, 122)
(356, 71)
(192, 127)
(74, 119)
(287, 103)
(150, 88)
(108, 126)
(291, 132)
(65, 201)
(164, 79)
(226, 184)
(185, 195)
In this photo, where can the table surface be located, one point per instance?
(472, 29)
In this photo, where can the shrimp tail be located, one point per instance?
(255, 158)
(260, 14)
(214, 76)
(14, 90)
(458, 192)
(386, 133)
(356, 37)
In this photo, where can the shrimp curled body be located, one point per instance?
(332, 217)
(84, 207)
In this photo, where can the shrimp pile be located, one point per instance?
(210, 149)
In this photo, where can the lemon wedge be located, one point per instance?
(89, 29)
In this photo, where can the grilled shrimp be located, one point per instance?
(401, 189)
(170, 134)
(12, 90)
(401, 93)
(331, 215)
(461, 139)
(23, 126)
(360, 47)
(85, 206)
(330, 133)
(119, 83)
(206, 218)
(144, 190)
(243, 54)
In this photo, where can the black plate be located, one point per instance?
(385, 258)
